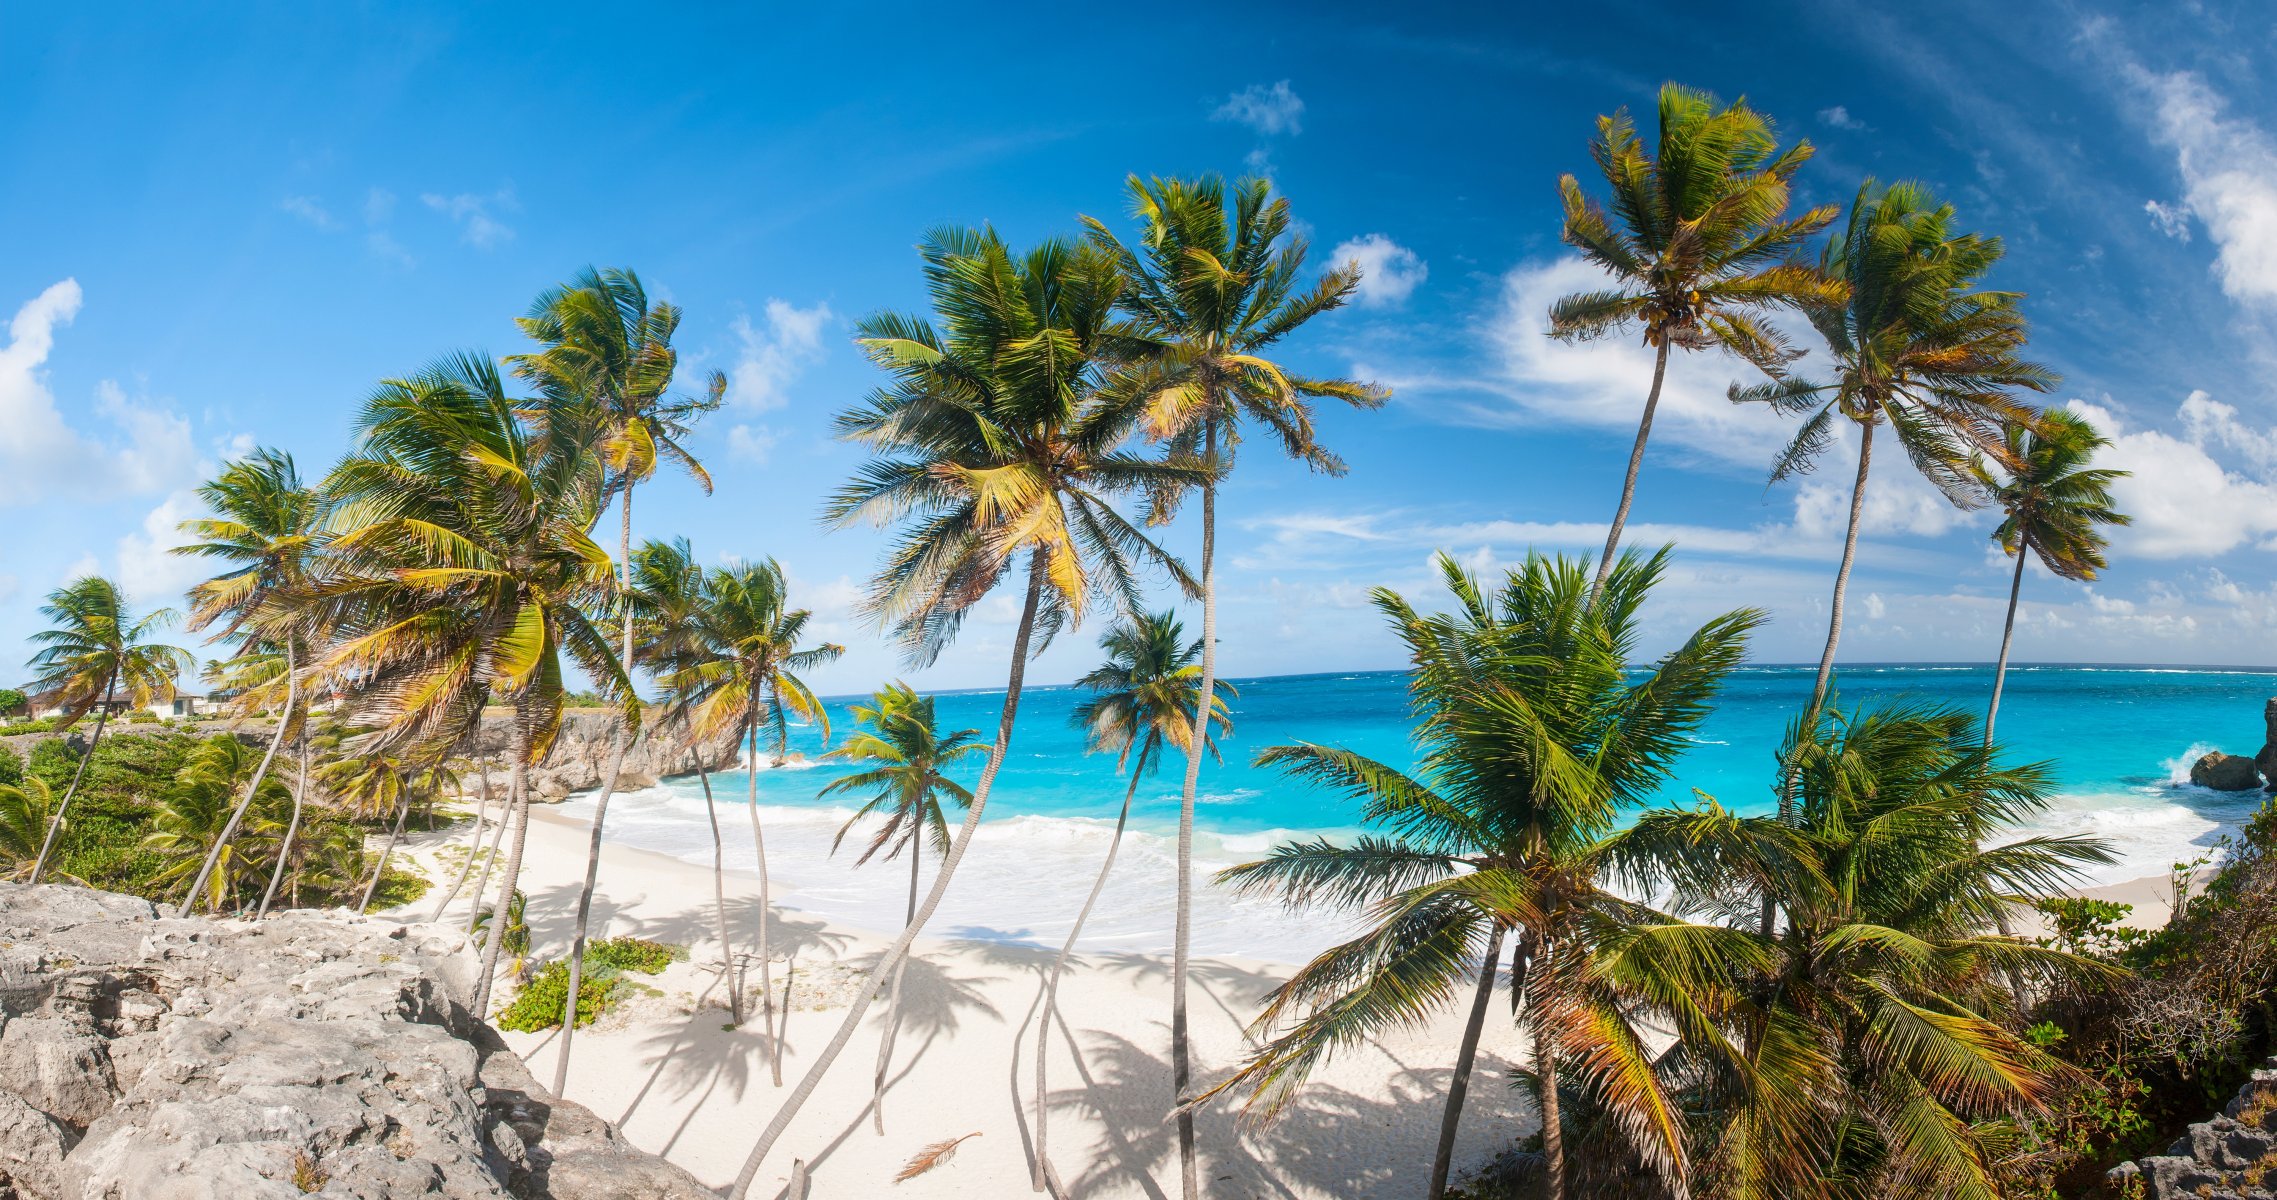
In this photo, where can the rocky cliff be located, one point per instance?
(2232, 1157)
(313, 1054)
(580, 755)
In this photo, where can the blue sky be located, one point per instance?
(218, 227)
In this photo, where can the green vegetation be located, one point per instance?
(601, 984)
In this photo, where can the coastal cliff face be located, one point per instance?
(580, 755)
(2232, 1157)
(311, 1054)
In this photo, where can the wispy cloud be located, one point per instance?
(1269, 110)
(2173, 220)
(772, 355)
(473, 214)
(1839, 117)
(2228, 165)
(1389, 272)
(309, 210)
(43, 458)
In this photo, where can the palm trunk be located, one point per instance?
(1553, 1131)
(1458, 1088)
(893, 999)
(292, 828)
(766, 900)
(1636, 464)
(1181, 1050)
(473, 850)
(55, 823)
(1042, 1175)
(237, 815)
(600, 810)
(518, 800)
(2007, 632)
(894, 954)
(490, 860)
(402, 812)
(719, 896)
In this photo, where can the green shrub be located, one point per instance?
(11, 702)
(142, 717)
(11, 730)
(399, 887)
(538, 1006)
(634, 954)
(11, 766)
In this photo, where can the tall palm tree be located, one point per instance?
(898, 733)
(96, 650)
(198, 823)
(1919, 345)
(606, 373)
(997, 444)
(258, 679)
(1143, 698)
(1536, 737)
(1214, 286)
(2055, 503)
(465, 572)
(268, 526)
(736, 675)
(1702, 249)
(1873, 1051)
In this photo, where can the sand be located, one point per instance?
(683, 1084)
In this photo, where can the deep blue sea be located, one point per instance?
(2120, 740)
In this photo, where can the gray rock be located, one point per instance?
(2227, 1158)
(2225, 772)
(313, 1054)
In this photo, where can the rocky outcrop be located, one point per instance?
(2232, 1157)
(2266, 760)
(2225, 772)
(580, 755)
(311, 1054)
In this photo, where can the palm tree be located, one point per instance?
(1702, 251)
(736, 673)
(2055, 501)
(371, 786)
(268, 527)
(1876, 1053)
(198, 823)
(258, 680)
(1212, 291)
(1535, 737)
(26, 807)
(466, 571)
(897, 733)
(94, 650)
(606, 373)
(996, 444)
(1143, 697)
(1919, 346)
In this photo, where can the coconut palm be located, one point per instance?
(997, 447)
(1701, 249)
(26, 807)
(735, 675)
(907, 756)
(2055, 502)
(1214, 286)
(1919, 345)
(200, 821)
(268, 526)
(606, 373)
(258, 679)
(1143, 698)
(1876, 1052)
(95, 654)
(465, 572)
(373, 785)
(1535, 737)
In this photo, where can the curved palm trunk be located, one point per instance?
(766, 904)
(600, 812)
(1181, 1050)
(893, 1000)
(1636, 464)
(402, 813)
(1553, 1129)
(55, 823)
(719, 895)
(899, 950)
(1459, 1087)
(292, 828)
(518, 800)
(490, 860)
(2007, 632)
(237, 815)
(1043, 1175)
(473, 849)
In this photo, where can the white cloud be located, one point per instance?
(1898, 501)
(1267, 110)
(42, 457)
(2173, 220)
(1389, 272)
(1839, 117)
(2207, 420)
(379, 205)
(753, 443)
(308, 209)
(769, 360)
(2184, 502)
(477, 227)
(2229, 176)
(152, 577)
(1876, 609)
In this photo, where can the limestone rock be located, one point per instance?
(2227, 1158)
(580, 755)
(2225, 772)
(312, 1054)
(2266, 760)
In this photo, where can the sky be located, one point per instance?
(221, 225)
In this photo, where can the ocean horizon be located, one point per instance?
(2118, 738)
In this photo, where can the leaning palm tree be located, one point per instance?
(998, 447)
(95, 651)
(198, 823)
(897, 734)
(1214, 286)
(1143, 698)
(1536, 737)
(372, 786)
(465, 572)
(606, 376)
(2055, 503)
(737, 674)
(1701, 249)
(26, 807)
(268, 526)
(1920, 346)
(258, 679)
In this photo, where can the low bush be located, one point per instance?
(600, 987)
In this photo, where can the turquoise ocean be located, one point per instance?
(2120, 739)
